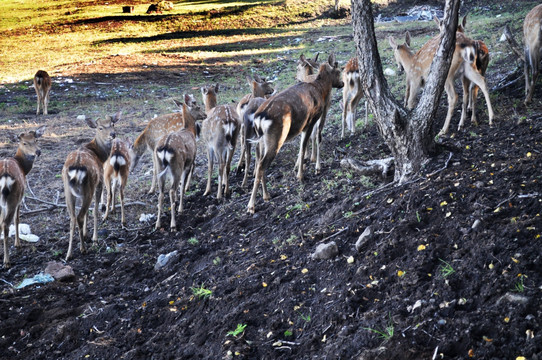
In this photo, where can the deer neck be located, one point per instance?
(25, 161)
(189, 120)
(100, 148)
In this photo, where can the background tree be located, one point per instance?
(408, 134)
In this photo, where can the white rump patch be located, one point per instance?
(228, 129)
(6, 181)
(77, 175)
(120, 160)
(263, 124)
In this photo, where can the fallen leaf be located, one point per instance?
(350, 260)
(421, 247)
(304, 271)
(471, 353)
(264, 284)
(444, 203)
(400, 273)
(283, 257)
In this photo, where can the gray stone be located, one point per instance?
(165, 259)
(59, 271)
(325, 251)
(364, 238)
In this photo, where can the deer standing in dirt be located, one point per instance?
(219, 132)
(417, 66)
(260, 90)
(42, 85)
(160, 127)
(307, 70)
(291, 112)
(116, 170)
(175, 155)
(82, 176)
(532, 31)
(352, 94)
(13, 173)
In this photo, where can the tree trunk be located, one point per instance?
(408, 134)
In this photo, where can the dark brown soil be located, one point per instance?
(259, 268)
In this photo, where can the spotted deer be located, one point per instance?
(352, 93)
(116, 170)
(417, 66)
(42, 85)
(532, 32)
(260, 90)
(13, 173)
(160, 127)
(304, 72)
(219, 132)
(82, 176)
(175, 155)
(285, 115)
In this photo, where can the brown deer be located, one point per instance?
(160, 127)
(352, 93)
(532, 31)
(42, 85)
(261, 90)
(175, 155)
(219, 132)
(291, 112)
(82, 176)
(417, 66)
(116, 170)
(13, 173)
(316, 135)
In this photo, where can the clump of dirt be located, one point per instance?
(451, 268)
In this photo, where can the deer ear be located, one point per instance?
(316, 57)
(178, 103)
(407, 38)
(91, 123)
(258, 78)
(187, 98)
(39, 131)
(331, 59)
(435, 18)
(302, 58)
(204, 91)
(464, 22)
(392, 42)
(115, 117)
(216, 87)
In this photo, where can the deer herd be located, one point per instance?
(264, 118)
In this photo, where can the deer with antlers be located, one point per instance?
(417, 66)
(291, 112)
(82, 175)
(42, 85)
(219, 132)
(160, 127)
(261, 90)
(116, 170)
(532, 31)
(175, 155)
(13, 173)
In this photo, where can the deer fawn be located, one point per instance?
(246, 108)
(42, 85)
(285, 115)
(13, 173)
(352, 94)
(219, 131)
(175, 155)
(116, 170)
(417, 66)
(532, 31)
(160, 127)
(82, 176)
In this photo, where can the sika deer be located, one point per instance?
(219, 131)
(307, 69)
(82, 176)
(13, 173)
(160, 127)
(246, 108)
(316, 135)
(352, 94)
(116, 170)
(42, 85)
(532, 31)
(175, 155)
(285, 115)
(417, 68)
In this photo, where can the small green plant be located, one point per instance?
(348, 214)
(193, 241)
(306, 318)
(418, 217)
(201, 292)
(238, 330)
(57, 253)
(217, 260)
(520, 287)
(385, 333)
(288, 333)
(291, 239)
(445, 269)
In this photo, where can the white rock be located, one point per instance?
(389, 72)
(81, 117)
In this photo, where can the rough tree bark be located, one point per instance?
(408, 134)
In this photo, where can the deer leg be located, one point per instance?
(473, 95)
(210, 159)
(121, 194)
(480, 81)
(108, 202)
(319, 128)
(452, 100)
(97, 193)
(82, 224)
(226, 178)
(248, 160)
(45, 103)
(185, 175)
(161, 183)
(243, 150)
(17, 238)
(412, 94)
(268, 150)
(5, 231)
(344, 115)
(172, 195)
(39, 100)
(70, 204)
(266, 195)
(526, 70)
(187, 185)
(465, 82)
(407, 95)
(114, 187)
(302, 147)
(222, 159)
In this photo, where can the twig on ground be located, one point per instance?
(442, 168)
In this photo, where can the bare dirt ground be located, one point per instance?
(259, 267)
